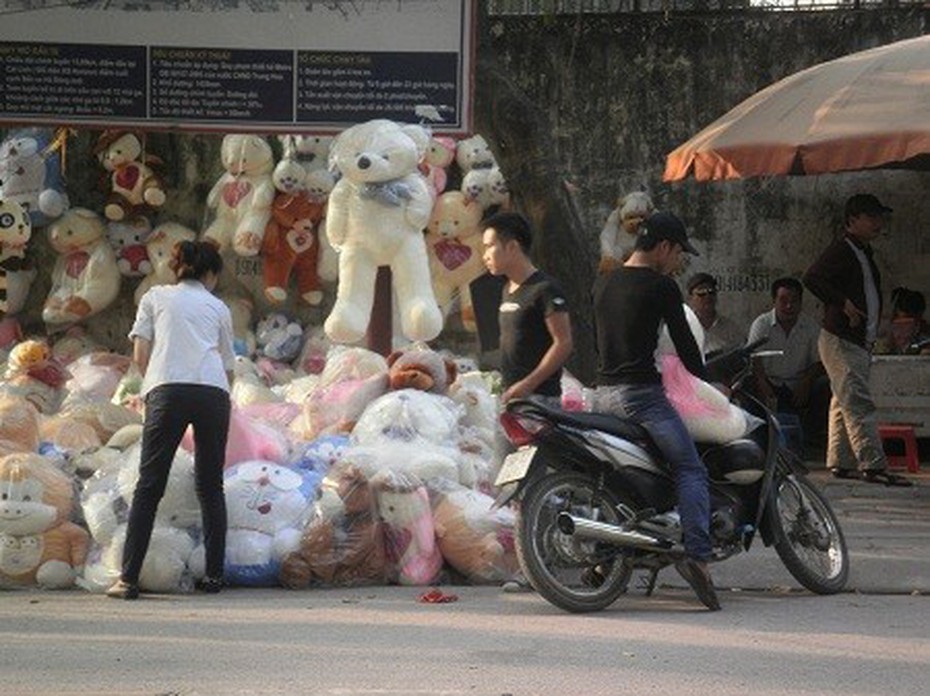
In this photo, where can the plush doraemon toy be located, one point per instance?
(268, 506)
(455, 252)
(158, 247)
(128, 240)
(85, 279)
(39, 545)
(16, 273)
(376, 217)
(278, 337)
(242, 197)
(30, 173)
(135, 189)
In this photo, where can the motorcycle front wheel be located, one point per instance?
(808, 538)
(574, 574)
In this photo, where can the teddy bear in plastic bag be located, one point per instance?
(707, 413)
(343, 544)
(39, 545)
(376, 215)
(268, 505)
(413, 556)
(475, 538)
(19, 425)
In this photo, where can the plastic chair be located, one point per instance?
(904, 433)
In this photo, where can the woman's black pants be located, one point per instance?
(169, 409)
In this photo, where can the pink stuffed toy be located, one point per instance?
(410, 537)
(440, 154)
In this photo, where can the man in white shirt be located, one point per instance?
(794, 382)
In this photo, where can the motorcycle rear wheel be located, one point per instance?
(808, 537)
(577, 575)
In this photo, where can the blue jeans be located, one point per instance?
(647, 405)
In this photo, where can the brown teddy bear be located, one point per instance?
(344, 544)
(420, 368)
(291, 243)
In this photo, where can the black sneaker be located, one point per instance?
(209, 585)
(123, 590)
(698, 577)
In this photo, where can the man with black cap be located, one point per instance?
(630, 305)
(720, 332)
(846, 280)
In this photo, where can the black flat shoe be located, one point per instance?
(209, 585)
(886, 478)
(845, 473)
(123, 590)
(697, 576)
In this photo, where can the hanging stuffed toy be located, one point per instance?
(85, 279)
(453, 238)
(376, 217)
(134, 187)
(30, 173)
(16, 273)
(242, 197)
(291, 243)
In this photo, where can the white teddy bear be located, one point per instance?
(242, 197)
(376, 217)
(85, 279)
(158, 247)
(474, 153)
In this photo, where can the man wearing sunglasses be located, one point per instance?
(720, 332)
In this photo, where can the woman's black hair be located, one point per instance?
(193, 260)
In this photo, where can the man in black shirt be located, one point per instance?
(631, 304)
(535, 329)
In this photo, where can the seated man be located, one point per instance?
(794, 382)
(908, 331)
(720, 332)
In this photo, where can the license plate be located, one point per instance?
(515, 465)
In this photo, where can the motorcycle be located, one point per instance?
(596, 500)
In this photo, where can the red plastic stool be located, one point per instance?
(904, 433)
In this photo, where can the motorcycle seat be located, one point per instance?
(621, 427)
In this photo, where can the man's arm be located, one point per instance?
(559, 326)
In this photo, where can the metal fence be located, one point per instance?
(550, 7)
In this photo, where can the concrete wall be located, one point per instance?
(619, 92)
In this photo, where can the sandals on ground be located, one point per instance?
(885, 477)
(845, 473)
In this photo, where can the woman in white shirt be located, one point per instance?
(182, 343)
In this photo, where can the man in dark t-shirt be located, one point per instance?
(535, 329)
(631, 304)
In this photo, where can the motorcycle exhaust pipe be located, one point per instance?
(589, 529)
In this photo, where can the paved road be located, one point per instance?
(774, 640)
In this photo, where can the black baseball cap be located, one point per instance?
(865, 203)
(664, 225)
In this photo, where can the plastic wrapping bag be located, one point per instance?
(268, 506)
(39, 544)
(413, 556)
(343, 544)
(19, 425)
(409, 415)
(248, 439)
(95, 376)
(475, 539)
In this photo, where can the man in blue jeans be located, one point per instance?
(630, 305)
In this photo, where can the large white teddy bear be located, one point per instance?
(377, 213)
(85, 279)
(242, 197)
